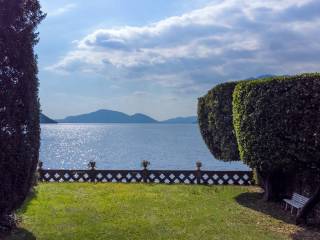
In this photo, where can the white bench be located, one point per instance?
(297, 201)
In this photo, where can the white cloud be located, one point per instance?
(62, 10)
(222, 41)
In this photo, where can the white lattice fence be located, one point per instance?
(150, 176)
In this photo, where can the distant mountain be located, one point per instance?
(141, 118)
(261, 76)
(192, 119)
(45, 119)
(108, 116)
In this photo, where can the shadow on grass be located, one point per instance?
(306, 234)
(253, 200)
(32, 195)
(19, 234)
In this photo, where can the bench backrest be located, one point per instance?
(299, 198)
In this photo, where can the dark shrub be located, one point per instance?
(215, 122)
(277, 126)
(19, 105)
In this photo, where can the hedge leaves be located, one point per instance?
(277, 122)
(215, 122)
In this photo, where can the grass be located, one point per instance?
(137, 211)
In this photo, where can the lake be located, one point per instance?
(123, 146)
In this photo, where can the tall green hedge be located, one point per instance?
(19, 104)
(215, 122)
(277, 122)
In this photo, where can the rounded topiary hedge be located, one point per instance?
(277, 122)
(215, 122)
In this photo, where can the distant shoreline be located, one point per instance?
(110, 116)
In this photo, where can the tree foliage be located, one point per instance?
(276, 125)
(216, 124)
(277, 128)
(19, 105)
(277, 122)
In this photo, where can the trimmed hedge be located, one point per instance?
(277, 122)
(215, 122)
(19, 104)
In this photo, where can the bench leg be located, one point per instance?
(286, 207)
(291, 210)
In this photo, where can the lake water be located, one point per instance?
(123, 146)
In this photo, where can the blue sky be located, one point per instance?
(158, 56)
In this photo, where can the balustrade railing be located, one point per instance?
(145, 175)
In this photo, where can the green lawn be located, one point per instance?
(137, 211)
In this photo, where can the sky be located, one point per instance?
(158, 56)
